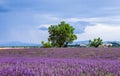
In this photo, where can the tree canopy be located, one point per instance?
(95, 42)
(62, 34)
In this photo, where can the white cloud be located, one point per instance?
(106, 32)
(110, 8)
(94, 20)
(44, 25)
(46, 18)
(72, 19)
(101, 27)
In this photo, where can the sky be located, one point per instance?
(28, 20)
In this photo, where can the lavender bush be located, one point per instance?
(58, 67)
(23, 63)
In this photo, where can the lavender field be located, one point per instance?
(60, 62)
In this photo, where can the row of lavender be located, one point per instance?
(81, 53)
(58, 67)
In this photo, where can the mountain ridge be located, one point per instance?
(18, 43)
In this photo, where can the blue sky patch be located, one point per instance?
(28, 16)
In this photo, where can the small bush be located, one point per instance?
(95, 42)
(46, 44)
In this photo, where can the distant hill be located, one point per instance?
(82, 42)
(87, 42)
(17, 43)
(114, 43)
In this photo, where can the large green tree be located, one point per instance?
(62, 34)
(95, 42)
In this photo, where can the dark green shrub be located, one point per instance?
(46, 44)
(95, 42)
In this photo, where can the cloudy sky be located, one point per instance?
(28, 20)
